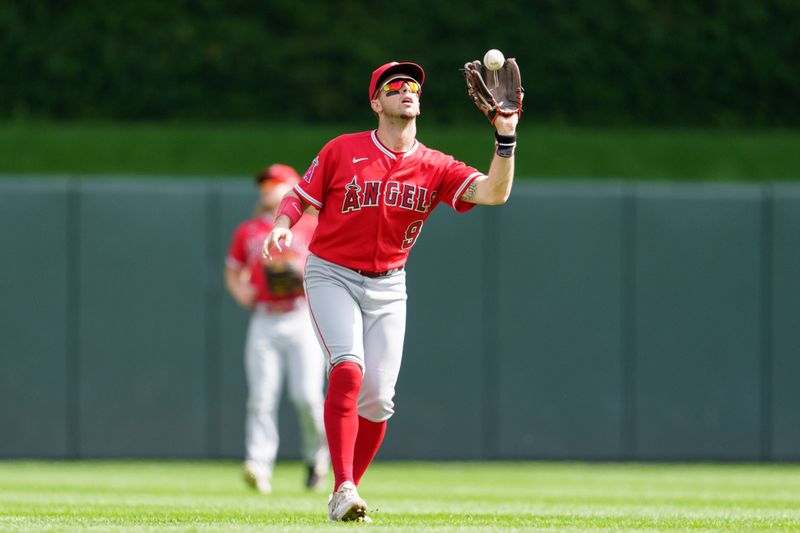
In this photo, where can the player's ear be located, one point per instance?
(376, 105)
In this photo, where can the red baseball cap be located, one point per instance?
(382, 73)
(278, 173)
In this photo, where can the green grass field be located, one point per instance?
(219, 150)
(209, 496)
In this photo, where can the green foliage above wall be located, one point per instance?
(623, 62)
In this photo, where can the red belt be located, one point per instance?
(368, 274)
(280, 306)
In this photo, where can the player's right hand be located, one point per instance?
(246, 296)
(274, 239)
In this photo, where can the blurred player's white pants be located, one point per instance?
(361, 320)
(281, 344)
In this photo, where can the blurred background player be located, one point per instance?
(280, 339)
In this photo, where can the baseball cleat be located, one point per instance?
(316, 477)
(256, 477)
(345, 505)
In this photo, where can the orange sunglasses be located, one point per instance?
(396, 85)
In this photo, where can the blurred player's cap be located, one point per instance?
(277, 173)
(384, 72)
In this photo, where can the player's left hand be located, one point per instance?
(506, 124)
(497, 93)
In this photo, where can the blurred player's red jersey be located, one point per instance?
(376, 201)
(246, 247)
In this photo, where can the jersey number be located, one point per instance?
(412, 232)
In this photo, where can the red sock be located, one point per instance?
(370, 437)
(341, 419)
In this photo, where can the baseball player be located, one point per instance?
(374, 191)
(280, 339)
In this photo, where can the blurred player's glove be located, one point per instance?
(283, 280)
(495, 92)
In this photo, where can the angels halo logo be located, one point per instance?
(310, 172)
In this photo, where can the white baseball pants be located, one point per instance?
(278, 344)
(362, 320)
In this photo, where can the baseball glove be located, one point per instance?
(283, 280)
(495, 92)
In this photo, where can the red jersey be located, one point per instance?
(245, 252)
(373, 202)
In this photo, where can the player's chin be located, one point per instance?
(410, 112)
(405, 114)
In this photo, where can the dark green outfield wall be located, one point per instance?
(579, 321)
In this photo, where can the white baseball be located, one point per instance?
(494, 59)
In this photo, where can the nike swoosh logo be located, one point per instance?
(359, 159)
